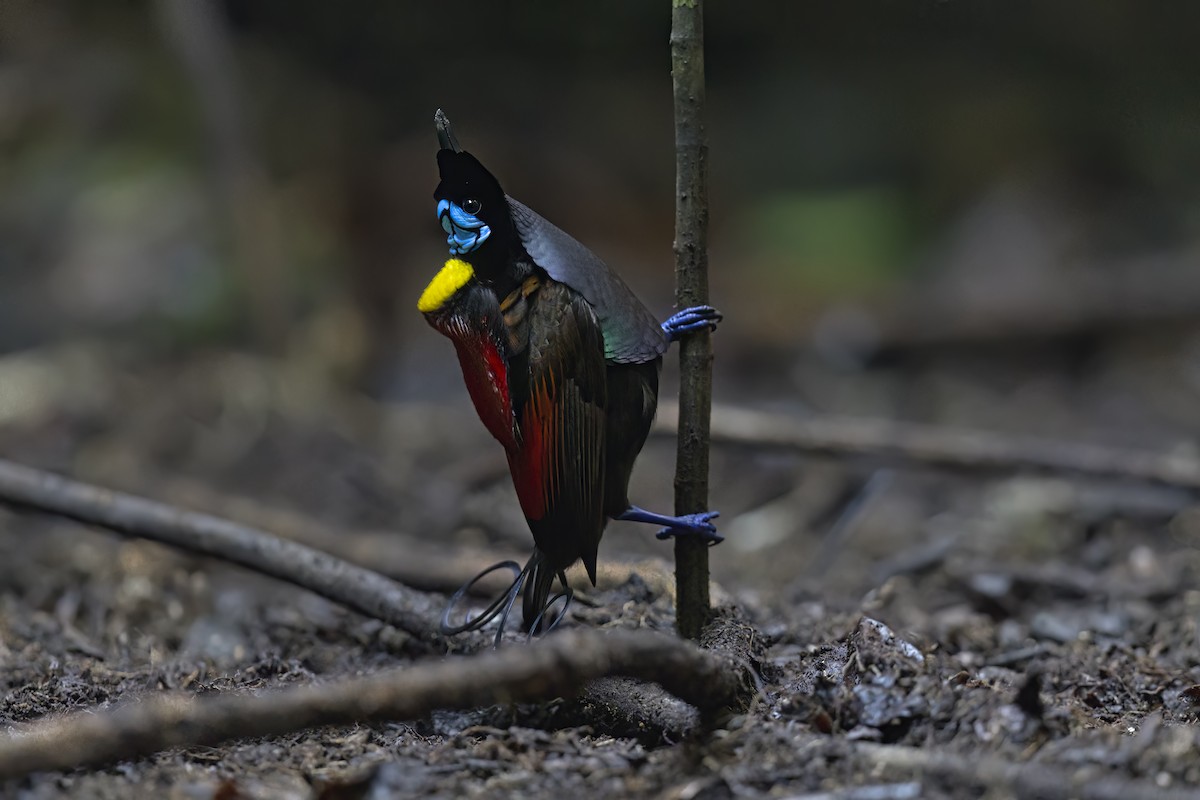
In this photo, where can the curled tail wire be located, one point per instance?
(537, 600)
(537, 580)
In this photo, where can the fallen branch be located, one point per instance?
(625, 708)
(1098, 299)
(930, 446)
(417, 562)
(910, 790)
(1022, 778)
(334, 577)
(557, 667)
(621, 707)
(1004, 582)
(355, 587)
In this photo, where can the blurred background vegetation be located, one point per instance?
(216, 217)
(182, 176)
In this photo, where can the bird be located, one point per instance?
(561, 361)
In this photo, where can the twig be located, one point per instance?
(1064, 580)
(1094, 299)
(360, 589)
(691, 289)
(1024, 779)
(910, 790)
(838, 536)
(971, 451)
(558, 667)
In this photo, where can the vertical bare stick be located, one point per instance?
(691, 288)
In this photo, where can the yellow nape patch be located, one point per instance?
(449, 280)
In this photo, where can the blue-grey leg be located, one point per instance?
(690, 320)
(685, 525)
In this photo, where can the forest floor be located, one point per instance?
(1039, 622)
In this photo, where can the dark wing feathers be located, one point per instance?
(563, 424)
(631, 333)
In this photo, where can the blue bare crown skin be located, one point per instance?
(466, 232)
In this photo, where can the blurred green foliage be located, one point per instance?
(830, 243)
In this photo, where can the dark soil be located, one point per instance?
(1026, 620)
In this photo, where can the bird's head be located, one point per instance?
(471, 205)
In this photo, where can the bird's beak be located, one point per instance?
(446, 139)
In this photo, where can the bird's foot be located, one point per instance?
(686, 525)
(694, 525)
(690, 320)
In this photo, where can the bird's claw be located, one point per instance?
(694, 525)
(690, 320)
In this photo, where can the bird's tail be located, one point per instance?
(539, 581)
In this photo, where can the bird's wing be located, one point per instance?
(558, 467)
(631, 333)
